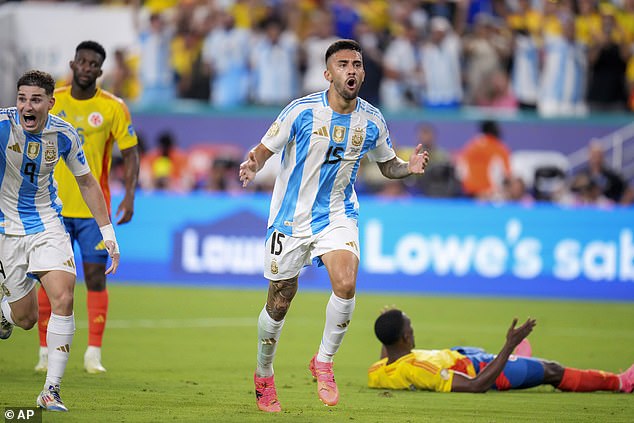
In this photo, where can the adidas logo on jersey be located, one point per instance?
(15, 147)
(323, 131)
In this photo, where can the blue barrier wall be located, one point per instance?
(417, 245)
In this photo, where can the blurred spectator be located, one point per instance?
(320, 37)
(370, 42)
(587, 21)
(345, 17)
(187, 60)
(122, 80)
(607, 57)
(440, 178)
(166, 164)
(514, 190)
(155, 68)
(222, 177)
(586, 192)
(609, 182)
(274, 63)
(563, 79)
(495, 92)
(441, 66)
(401, 85)
(484, 162)
(483, 51)
(226, 55)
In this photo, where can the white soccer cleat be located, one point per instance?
(5, 327)
(92, 360)
(42, 364)
(49, 399)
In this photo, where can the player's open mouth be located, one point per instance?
(29, 119)
(351, 83)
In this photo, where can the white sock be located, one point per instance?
(6, 311)
(338, 315)
(59, 337)
(269, 332)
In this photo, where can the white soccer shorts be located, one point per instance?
(285, 256)
(24, 256)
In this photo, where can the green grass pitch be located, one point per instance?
(188, 355)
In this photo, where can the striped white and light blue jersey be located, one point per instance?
(321, 152)
(28, 201)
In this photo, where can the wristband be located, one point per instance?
(107, 233)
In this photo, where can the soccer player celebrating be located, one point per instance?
(469, 369)
(313, 214)
(33, 241)
(100, 119)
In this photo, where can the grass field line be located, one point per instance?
(176, 323)
(228, 322)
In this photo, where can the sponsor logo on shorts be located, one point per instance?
(101, 246)
(353, 245)
(70, 263)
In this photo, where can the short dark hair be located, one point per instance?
(92, 45)
(490, 127)
(342, 45)
(36, 78)
(388, 327)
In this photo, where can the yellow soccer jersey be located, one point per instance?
(100, 121)
(428, 370)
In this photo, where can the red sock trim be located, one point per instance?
(97, 303)
(44, 313)
(576, 380)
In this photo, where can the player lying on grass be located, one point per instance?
(468, 369)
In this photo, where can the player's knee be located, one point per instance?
(28, 320)
(553, 372)
(344, 289)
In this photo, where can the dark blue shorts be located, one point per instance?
(88, 236)
(518, 373)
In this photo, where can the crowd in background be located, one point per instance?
(482, 169)
(555, 57)
(559, 57)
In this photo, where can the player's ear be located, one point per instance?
(328, 75)
(100, 73)
(70, 64)
(51, 103)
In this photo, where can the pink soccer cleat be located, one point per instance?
(326, 385)
(627, 380)
(523, 349)
(266, 395)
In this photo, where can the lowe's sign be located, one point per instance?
(426, 246)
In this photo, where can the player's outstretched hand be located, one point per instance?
(113, 251)
(248, 169)
(515, 335)
(125, 211)
(418, 160)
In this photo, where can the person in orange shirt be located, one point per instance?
(484, 162)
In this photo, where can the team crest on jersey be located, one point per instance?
(338, 133)
(358, 136)
(273, 129)
(50, 154)
(274, 268)
(95, 119)
(33, 150)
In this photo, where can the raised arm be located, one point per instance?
(397, 168)
(254, 162)
(485, 379)
(91, 192)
